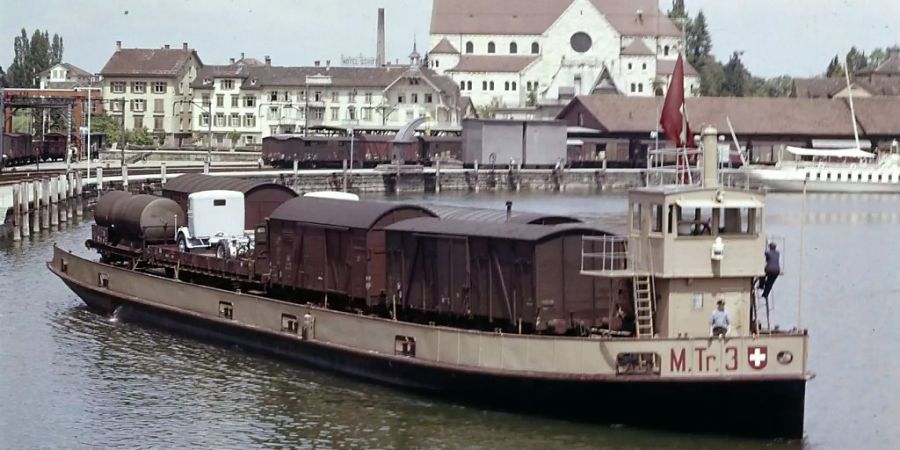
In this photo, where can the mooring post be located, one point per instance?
(564, 175)
(70, 191)
(476, 176)
(16, 218)
(45, 203)
(344, 176)
(26, 218)
(437, 177)
(99, 180)
(206, 167)
(397, 184)
(36, 210)
(125, 178)
(79, 191)
(63, 190)
(54, 201)
(162, 174)
(518, 176)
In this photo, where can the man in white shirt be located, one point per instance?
(719, 320)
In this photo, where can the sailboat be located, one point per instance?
(834, 169)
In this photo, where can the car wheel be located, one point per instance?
(221, 253)
(182, 245)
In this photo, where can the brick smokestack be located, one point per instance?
(379, 51)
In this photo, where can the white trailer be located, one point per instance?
(215, 219)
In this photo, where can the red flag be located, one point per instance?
(673, 121)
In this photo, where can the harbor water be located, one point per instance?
(73, 379)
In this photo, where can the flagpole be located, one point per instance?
(687, 138)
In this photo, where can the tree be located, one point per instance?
(678, 12)
(2, 77)
(106, 125)
(139, 136)
(736, 76)
(39, 55)
(876, 57)
(18, 70)
(712, 78)
(835, 69)
(856, 60)
(56, 49)
(699, 42)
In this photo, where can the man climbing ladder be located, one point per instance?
(773, 270)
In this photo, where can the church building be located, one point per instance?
(518, 55)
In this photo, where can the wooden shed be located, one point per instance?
(505, 273)
(333, 246)
(260, 197)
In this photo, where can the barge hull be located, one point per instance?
(768, 408)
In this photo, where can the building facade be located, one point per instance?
(151, 88)
(64, 76)
(510, 54)
(880, 81)
(245, 101)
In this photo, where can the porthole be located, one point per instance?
(581, 42)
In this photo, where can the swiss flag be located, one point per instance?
(673, 119)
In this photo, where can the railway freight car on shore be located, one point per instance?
(369, 150)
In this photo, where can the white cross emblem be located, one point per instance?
(758, 357)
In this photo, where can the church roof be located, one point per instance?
(493, 63)
(533, 17)
(666, 67)
(605, 84)
(637, 47)
(445, 47)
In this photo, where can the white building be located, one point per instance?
(63, 76)
(514, 55)
(151, 87)
(248, 100)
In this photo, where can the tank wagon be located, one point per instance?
(260, 198)
(126, 224)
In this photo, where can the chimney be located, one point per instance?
(118, 45)
(166, 46)
(318, 63)
(242, 55)
(268, 60)
(232, 60)
(184, 46)
(379, 43)
(710, 157)
(327, 64)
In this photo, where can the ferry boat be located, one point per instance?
(849, 170)
(512, 331)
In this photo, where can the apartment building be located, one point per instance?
(246, 100)
(152, 89)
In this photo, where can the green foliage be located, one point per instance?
(699, 42)
(736, 77)
(835, 69)
(856, 60)
(531, 98)
(2, 77)
(32, 56)
(876, 57)
(678, 12)
(712, 78)
(139, 136)
(104, 124)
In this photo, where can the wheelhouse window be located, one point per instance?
(289, 323)
(405, 345)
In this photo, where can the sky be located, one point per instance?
(778, 37)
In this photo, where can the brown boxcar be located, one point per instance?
(500, 272)
(333, 246)
(17, 150)
(260, 198)
(499, 215)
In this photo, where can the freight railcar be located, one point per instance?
(53, 146)
(368, 150)
(17, 150)
(500, 275)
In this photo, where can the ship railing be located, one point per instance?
(681, 166)
(611, 256)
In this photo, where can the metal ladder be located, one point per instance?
(643, 305)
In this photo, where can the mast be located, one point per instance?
(852, 111)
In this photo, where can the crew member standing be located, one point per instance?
(773, 269)
(719, 320)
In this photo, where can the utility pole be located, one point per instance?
(122, 137)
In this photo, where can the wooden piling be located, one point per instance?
(99, 180)
(70, 178)
(397, 184)
(344, 176)
(162, 173)
(437, 177)
(26, 219)
(45, 203)
(36, 210)
(124, 178)
(16, 218)
(54, 201)
(63, 197)
(518, 176)
(206, 167)
(79, 190)
(476, 176)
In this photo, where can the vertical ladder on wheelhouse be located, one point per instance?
(643, 305)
